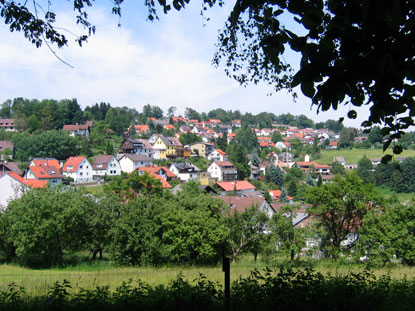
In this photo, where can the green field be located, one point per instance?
(352, 156)
(90, 275)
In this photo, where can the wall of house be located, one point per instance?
(10, 189)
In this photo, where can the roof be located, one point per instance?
(170, 127)
(72, 162)
(6, 144)
(221, 152)
(141, 128)
(45, 162)
(45, 172)
(312, 163)
(75, 127)
(102, 161)
(152, 170)
(164, 183)
(225, 165)
(186, 167)
(32, 183)
(277, 193)
(241, 204)
(239, 185)
(11, 166)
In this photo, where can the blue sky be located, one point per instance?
(164, 63)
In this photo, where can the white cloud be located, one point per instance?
(165, 63)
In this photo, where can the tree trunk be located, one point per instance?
(292, 254)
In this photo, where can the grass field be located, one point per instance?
(352, 156)
(90, 275)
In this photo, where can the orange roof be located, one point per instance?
(169, 127)
(152, 170)
(231, 134)
(333, 143)
(312, 163)
(46, 162)
(141, 128)
(240, 185)
(277, 194)
(266, 144)
(72, 162)
(32, 183)
(221, 152)
(164, 183)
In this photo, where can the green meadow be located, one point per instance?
(352, 156)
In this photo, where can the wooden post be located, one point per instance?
(226, 268)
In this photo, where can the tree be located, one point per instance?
(276, 137)
(388, 232)
(284, 196)
(339, 206)
(284, 236)
(238, 157)
(171, 111)
(275, 175)
(45, 222)
(337, 168)
(255, 160)
(365, 170)
(375, 135)
(246, 230)
(190, 113)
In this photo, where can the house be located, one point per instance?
(202, 149)
(79, 169)
(167, 147)
(6, 146)
(205, 179)
(105, 165)
(240, 186)
(7, 125)
(332, 145)
(301, 217)
(50, 174)
(159, 172)
(236, 123)
(311, 166)
(136, 146)
(185, 171)
(340, 160)
(77, 130)
(218, 155)
(46, 162)
(223, 171)
(169, 127)
(8, 167)
(376, 161)
(130, 162)
(275, 195)
(141, 129)
(12, 186)
(241, 204)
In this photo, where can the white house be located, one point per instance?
(105, 165)
(185, 171)
(79, 169)
(223, 171)
(129, 162)
(218, 155)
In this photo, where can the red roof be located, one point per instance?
(333, 143)
(164, 183)
(312, 163)
(152, 170)
(240, 185)
(72, 162)
(277, 194)
(46, 162)
(241, 204)
(32, 183)
(169, 127)
(221, 152)
(141, 128)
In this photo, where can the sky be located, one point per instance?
(164, 63)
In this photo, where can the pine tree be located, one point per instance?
(284, 196)
(275, 175)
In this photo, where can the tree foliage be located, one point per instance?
(388, 233)
(339, 206)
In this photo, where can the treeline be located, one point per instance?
(42, 115)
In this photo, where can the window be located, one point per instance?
(80, 166)
(80, 174)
